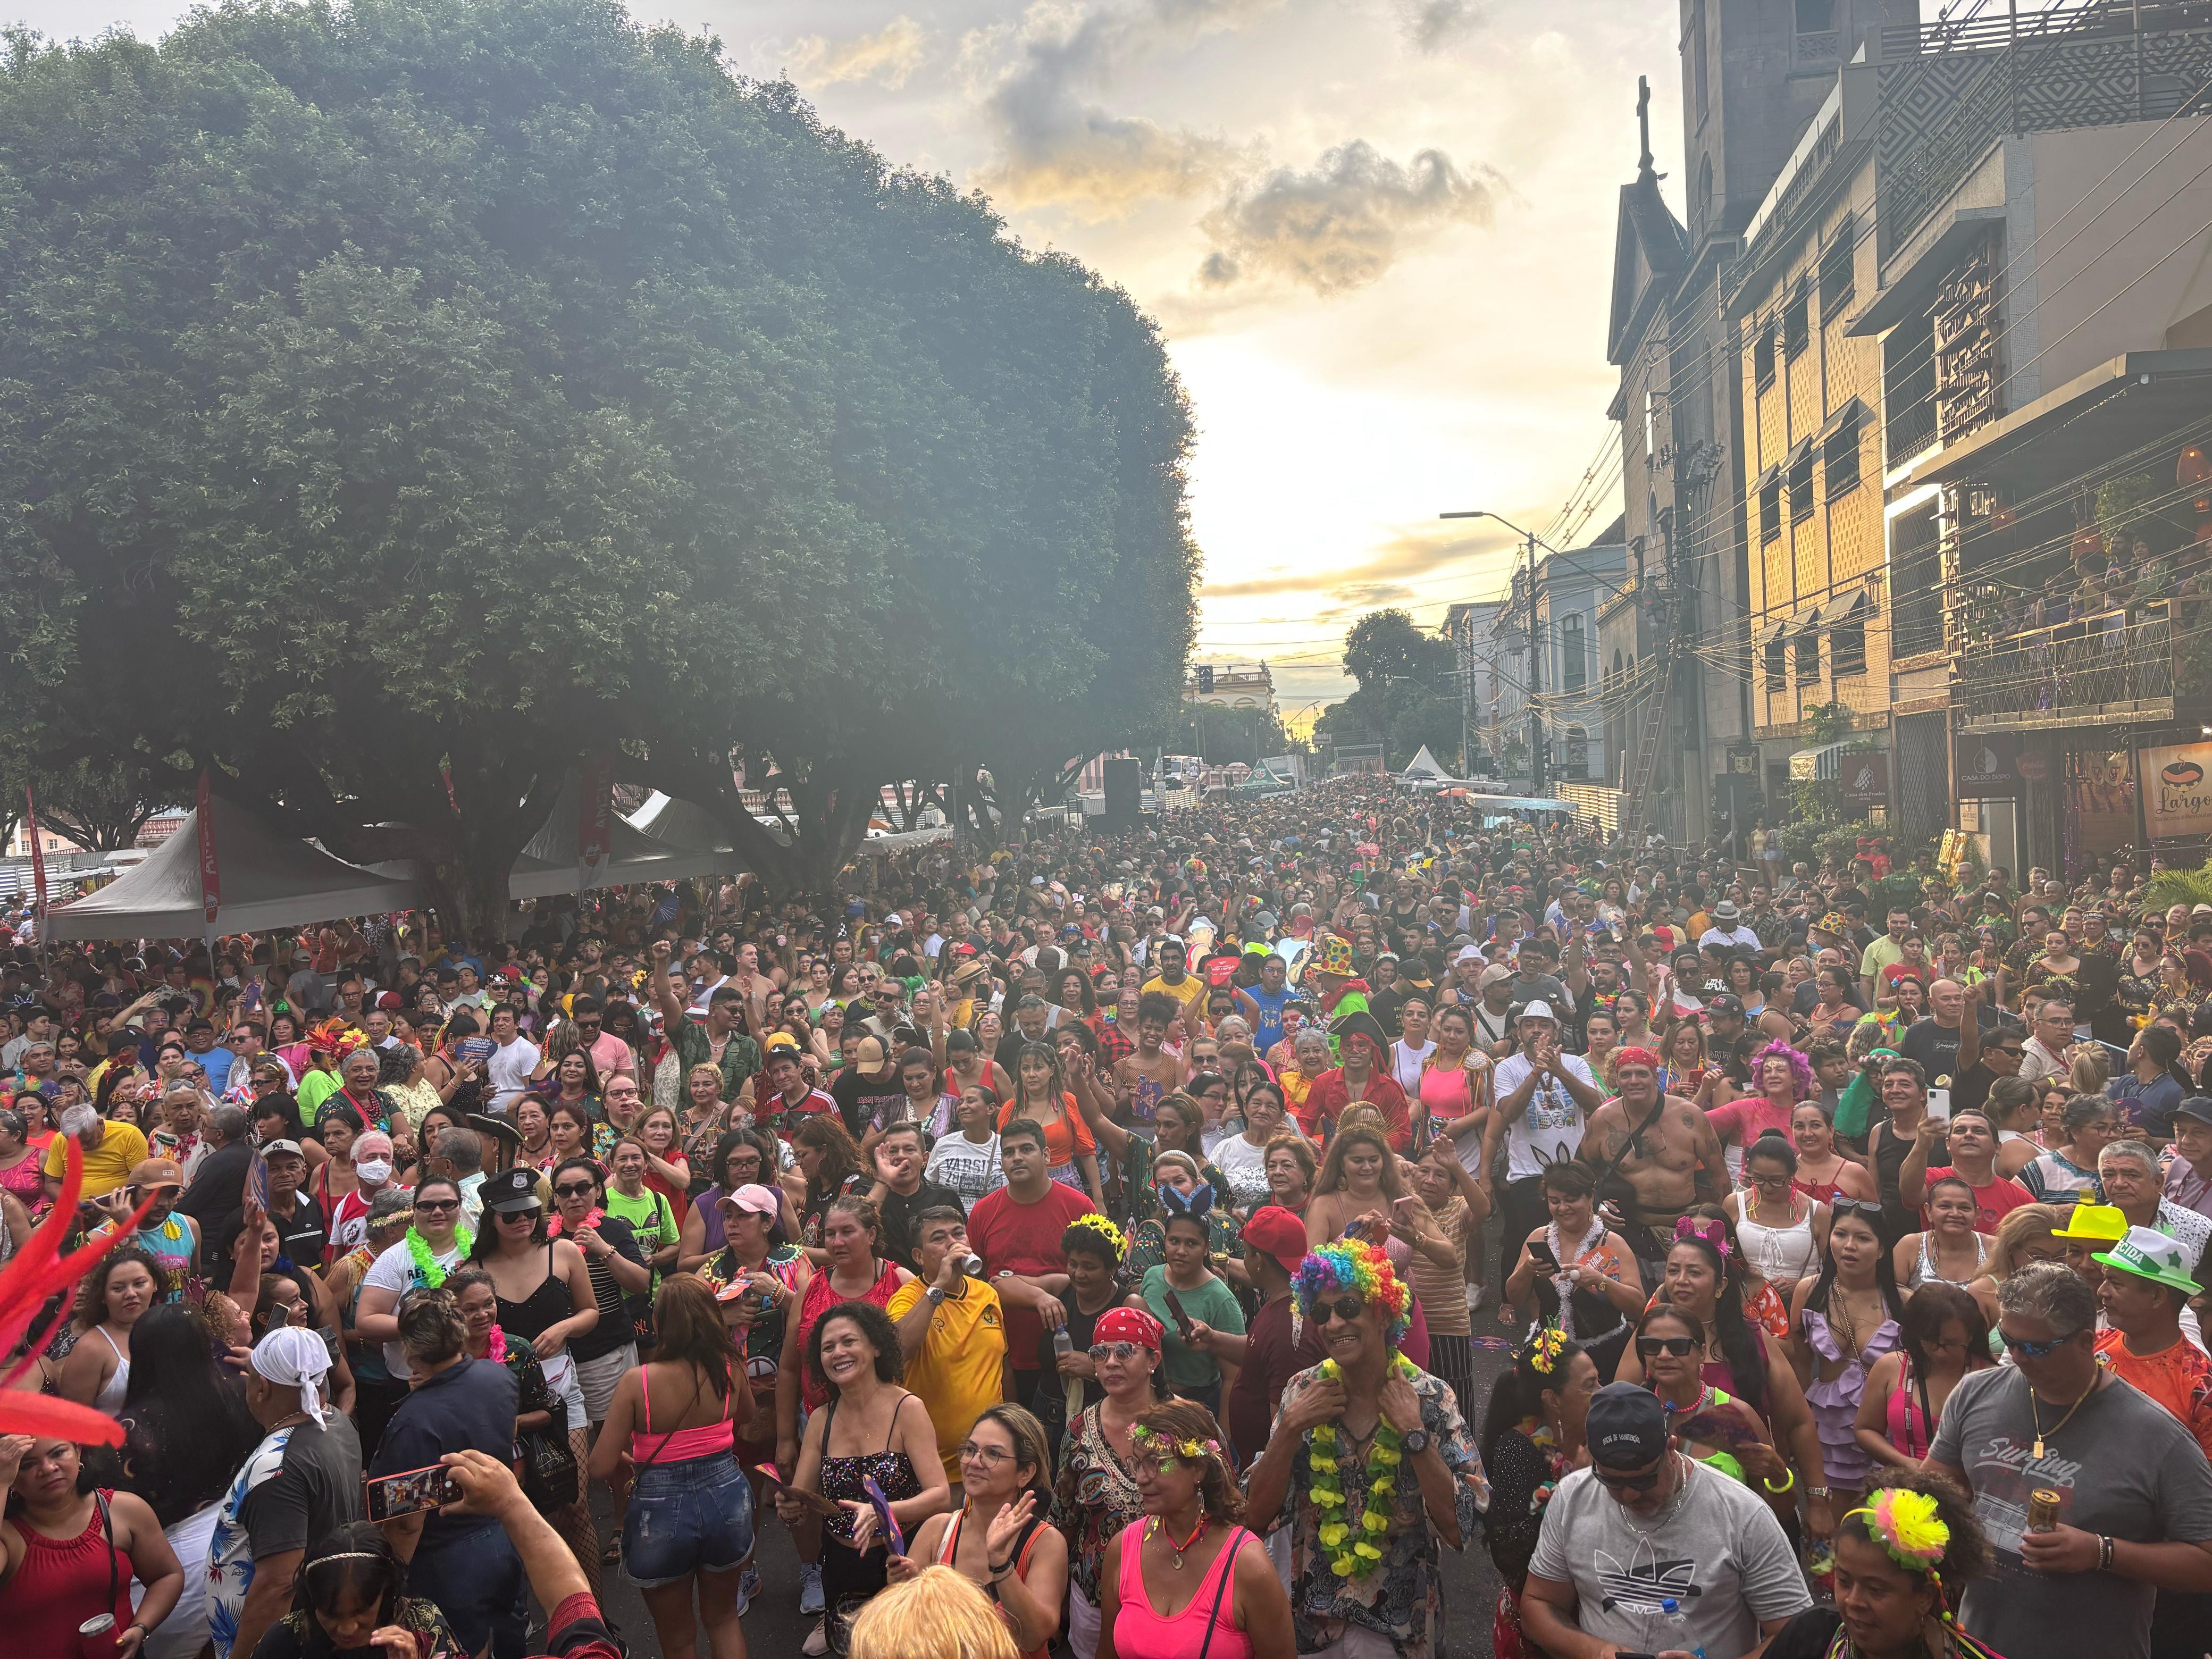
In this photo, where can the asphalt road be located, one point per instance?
(774, 1627)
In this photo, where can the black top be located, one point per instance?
(897, 1207)
(304, 1236)
(215, 1200)
(470, 1406)
(615, 1327)
(549, 1305)
(1806, 1636)
(316, 1491)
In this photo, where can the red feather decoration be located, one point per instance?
(33, 1275)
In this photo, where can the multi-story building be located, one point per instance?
(1234, 685)
(1971, 321)
(1677, 648)
(1569, 586)
(1469, 628)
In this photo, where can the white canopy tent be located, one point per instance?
(268, 881)
(1422, 767)
(547, 866)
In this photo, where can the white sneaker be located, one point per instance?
(818, 1640)
(1476, 1296)
(809, 1587)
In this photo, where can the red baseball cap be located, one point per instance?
(1276, 1231)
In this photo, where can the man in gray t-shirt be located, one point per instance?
(1610, 1554)
(2123, 1467)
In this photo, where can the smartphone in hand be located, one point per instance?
(411, 1493)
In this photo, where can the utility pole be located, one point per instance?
(1536, 681)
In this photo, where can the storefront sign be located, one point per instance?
(2034, 765)
(2177, 786)
(1989, 767)
(1864, 779)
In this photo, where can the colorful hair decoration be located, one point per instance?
(1707, 1231)
(1096, 1223)
(1545, 1349)
(1190, 1451)
(1907, 1526)
(1351, 1268)
(1800, 1069)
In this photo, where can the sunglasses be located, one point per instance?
(2027, 1350)
(1347, 1308)
(437, 1206)
(1649, 1347)
(1642, 1482)
(576, 1189)
(529, 1215)
(1117, 1353)
(1866, 1207)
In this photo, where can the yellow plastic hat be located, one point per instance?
(2104, 1221)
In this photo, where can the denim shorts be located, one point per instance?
(692, 1516)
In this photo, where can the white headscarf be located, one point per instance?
(289, 1354)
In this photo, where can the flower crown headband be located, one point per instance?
(1911, 1532)
(1163, 1447)
(1094, 1222)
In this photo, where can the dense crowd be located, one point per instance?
(1091, 1240)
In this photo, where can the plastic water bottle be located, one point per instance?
(1071, 1387)
(1669, 1631)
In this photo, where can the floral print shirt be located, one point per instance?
(1402, 1599)
(1094, 1497)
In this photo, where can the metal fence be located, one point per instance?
(2119, 662)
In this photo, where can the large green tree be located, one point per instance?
(405, 399)
(1406, 695)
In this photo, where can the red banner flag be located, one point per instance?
(37, 855)
(595, 821)
(211, 870)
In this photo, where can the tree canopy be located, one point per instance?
(1406, 696)
(408, 399)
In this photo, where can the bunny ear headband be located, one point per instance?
(1198, 1204)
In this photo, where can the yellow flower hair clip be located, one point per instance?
(1094, 1222)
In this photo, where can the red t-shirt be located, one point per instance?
(1992, 1203)
(1271, 1358)
(1023, 1238)
(1327, 1101)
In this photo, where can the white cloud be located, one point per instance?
(1342, 225)
(889, 56)
(1433, 25)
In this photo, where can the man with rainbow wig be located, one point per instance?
(1371, 1465)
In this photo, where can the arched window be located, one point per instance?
(1618, 666)
(1574, 753)
(1574, 654)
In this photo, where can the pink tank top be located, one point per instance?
(1141, 1633)
(679, 1445)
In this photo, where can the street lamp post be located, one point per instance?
(1535, 656)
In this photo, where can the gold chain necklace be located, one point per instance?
(2035, 1412)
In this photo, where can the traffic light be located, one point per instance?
(1206, 678)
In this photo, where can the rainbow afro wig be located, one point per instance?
(1349, 1268)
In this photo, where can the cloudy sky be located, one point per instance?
(1377, 232)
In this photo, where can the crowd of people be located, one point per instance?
(1089, 1243)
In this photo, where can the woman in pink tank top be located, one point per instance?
(1187, 1582)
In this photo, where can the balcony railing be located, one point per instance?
(2110, 663)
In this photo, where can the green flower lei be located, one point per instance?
(1355, 1548)
(426, 1264)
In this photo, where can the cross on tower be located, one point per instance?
(1643, 123)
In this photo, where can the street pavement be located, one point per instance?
(775, 1629)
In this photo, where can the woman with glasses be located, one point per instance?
(999, 1540)
(1711, 1425)
(1844, 1320)
(737, 1160)
(434, 1244)
(1094, 1492)
(1781, 1232)
(1704, 1278)
(1943, 1335)
(544, 1291)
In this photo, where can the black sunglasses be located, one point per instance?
(1869, 1206)
(1347, 1308)
(437, 1206)
(1642, 1482)
(1649, 1347)
(573, 1190)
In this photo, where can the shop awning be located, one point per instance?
(2124, 404)
(1817, 765)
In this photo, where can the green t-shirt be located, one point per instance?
(650, 1217)
(315, 1088)
(1211, 1303)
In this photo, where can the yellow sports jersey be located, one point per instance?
(1191, 992)
(959, 1371)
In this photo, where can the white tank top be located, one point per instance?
(1780, 1255)
(110, 1399)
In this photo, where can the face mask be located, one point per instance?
(375, 1172)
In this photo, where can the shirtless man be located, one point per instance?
(1141, 1078)
(1665, 1150)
